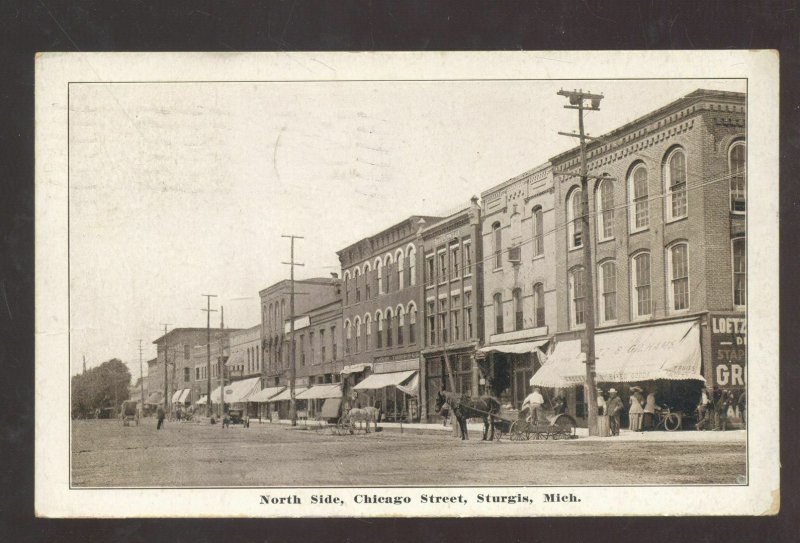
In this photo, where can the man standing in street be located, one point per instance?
(614, 409)
(161, 415)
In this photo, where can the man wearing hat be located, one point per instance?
(614, 406)
(601, 402)
(534, 401)
(635, 411)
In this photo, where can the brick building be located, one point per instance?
(669, 251)
(519, 280)
(246, 355)
(453, 303)
(382, 297)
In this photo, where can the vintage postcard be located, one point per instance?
(407, 284)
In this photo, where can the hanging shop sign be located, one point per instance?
(729, 350)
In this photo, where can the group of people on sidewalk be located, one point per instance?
(714, 409)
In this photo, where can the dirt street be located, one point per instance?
(185, 455)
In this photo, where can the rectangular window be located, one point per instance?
(429, 270)
(739, 272)
(322, 344)
(333, 340)
(538, 302)
(442, 266)
(311, 346)
(197, 374)
(578, 296)
(467, 258)
(454, 260)
(443, 319)
(186, 352)
(455, 318)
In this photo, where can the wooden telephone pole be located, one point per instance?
(208, 311)
(166, 362)
(576, 101)
(141, 375)
(292, 367)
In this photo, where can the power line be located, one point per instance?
(292, 346)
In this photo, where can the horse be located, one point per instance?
(363, 414)
(464, 407)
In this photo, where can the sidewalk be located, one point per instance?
(476, 431)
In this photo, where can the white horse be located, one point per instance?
(363, 414)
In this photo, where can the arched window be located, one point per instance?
(389, 325)
(739, 272)
(538, 232)
(348, 334)
(574, 219)
(283, 313)
(538, 304)
(367, 282)
(497, 236)
(387, 267)
(379, 275)
(400, 258)
(269, 317)
(519, 318)
(357, 323)
(577, 296)
(737, 167)
(607, 281)
(412, 266)
(675, 178)
(347, 287)
(356, 273)
(400, 324)
(412, 323)
(638, 204)
(368, 326)
(640, 285)
(379, 324)
(498, 313)
(678, 268)
(605, 210)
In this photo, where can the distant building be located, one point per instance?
(382, 297)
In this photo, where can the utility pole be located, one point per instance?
(208, 311)
(166, 361)
(292, 368)
(576, 101)
(141, 375)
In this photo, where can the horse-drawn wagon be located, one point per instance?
(129, 413)
(518, 426)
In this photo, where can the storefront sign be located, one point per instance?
(729, 350)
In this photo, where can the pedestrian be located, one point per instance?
(534, 402)
(649, 412)
(445, 413)
(716, 399)
(742, 402)
(722, 410)
(560, 405)
(636, 410)
(601, 402)
(703, 411)
(161, 414)
(614, 406)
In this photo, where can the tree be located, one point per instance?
(101, 387)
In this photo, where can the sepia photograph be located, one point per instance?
(371, 291)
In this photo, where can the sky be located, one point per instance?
(180, 190)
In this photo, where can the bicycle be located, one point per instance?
(669, 420)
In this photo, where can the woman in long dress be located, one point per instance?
(636, 410)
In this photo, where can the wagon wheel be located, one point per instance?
(672, 422)
(520, 431)
(565, 425)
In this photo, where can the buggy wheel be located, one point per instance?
(565, 425)
(672, 422)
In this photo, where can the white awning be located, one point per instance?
(412, 387)
(286, 394)
(515, 348)
(240, 391)
(666, 351)
(330, 409)
(265, 394)
(320, 392)
(176, 396)
(355, 368)
(380, 380)
(185, 395)
(202, 400)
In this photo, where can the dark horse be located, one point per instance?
(465, 407)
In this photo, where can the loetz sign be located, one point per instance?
(729, 350)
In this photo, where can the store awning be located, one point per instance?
(666, 351)
(321, 392)
(181, 395)
(330, 409)
(176, 396)
(380, 380)
(240, 391)
(355, 368)
(412, 387)
(515, 348)
(286, 394)
(202, 400)
(155, 398)
(265, 394)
